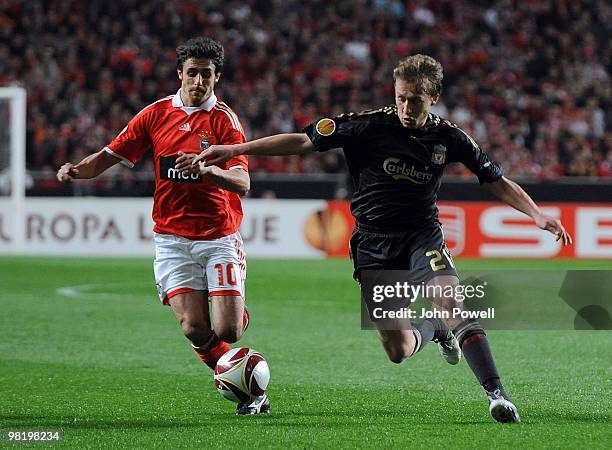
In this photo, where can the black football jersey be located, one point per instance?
(397, 171)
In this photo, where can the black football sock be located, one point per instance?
(475, 348)
(423, 333)
(441, 331)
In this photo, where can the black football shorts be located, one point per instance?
(421, 251)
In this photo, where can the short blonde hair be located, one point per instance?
(425, 71)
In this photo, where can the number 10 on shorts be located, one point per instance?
(226, 274)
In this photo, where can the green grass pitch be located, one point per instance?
(86, 348)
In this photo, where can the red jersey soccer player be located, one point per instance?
(197, 214)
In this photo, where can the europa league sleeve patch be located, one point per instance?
(325, 127)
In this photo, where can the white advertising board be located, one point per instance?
(123, 227)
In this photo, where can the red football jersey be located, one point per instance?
(187, 206)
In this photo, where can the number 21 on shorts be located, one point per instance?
(435, 261)
(226, 274)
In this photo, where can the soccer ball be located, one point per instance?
(242, 374)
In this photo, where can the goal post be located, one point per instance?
(16, 98)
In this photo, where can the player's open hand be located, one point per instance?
(216, 154)
(67, 173)
(184, 162)
(555, 226)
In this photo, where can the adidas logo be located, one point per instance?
(185, 127)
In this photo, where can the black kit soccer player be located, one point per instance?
(396, 157)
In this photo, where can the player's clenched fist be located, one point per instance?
(67, 173)
(216, 154)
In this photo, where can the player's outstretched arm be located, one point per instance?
(278, 145)
(90, 167)
(511, 193)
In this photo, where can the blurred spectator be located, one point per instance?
(530, 80)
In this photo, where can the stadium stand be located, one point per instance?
(530, 79)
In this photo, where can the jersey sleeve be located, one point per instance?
(471, 155)
(338, 132)
(132, 142)
(231, 132)
(238, 162)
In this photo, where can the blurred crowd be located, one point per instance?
(529, 79)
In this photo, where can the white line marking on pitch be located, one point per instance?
(83, 291)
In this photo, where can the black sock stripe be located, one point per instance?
(466, 329)
(460, 330)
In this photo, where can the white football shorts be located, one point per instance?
(183, 265)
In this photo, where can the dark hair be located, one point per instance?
(200, 47)
(423, 70)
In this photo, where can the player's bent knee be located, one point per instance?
(396, 354)
(195, 332)
(396, 358)
(229, 333)
(398, 344)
